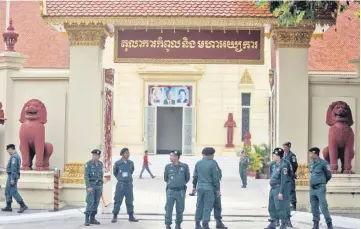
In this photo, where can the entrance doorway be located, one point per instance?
(169, 129)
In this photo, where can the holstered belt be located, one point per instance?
(176, 189)
(316, 186)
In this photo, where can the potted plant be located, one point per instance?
(263, 151)
(255, 164)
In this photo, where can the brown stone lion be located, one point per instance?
(32, 136)
(340, 137)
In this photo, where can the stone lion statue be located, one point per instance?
(340, 137)
(32, 136)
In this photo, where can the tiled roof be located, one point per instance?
(45, 47)
(340, 44)
(174, 8)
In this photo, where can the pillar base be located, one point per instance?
(35, 187)
(229, 152)
(343, 194)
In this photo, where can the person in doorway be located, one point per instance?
(291, 157)
(93, 176)
(11, 188)
(169, 100)
(243, 168)
(176, 175)
(207, 176)
(279, 189)
(123, 170)
(182, 97)
(217, 206)
(320, 175)
(146, 164)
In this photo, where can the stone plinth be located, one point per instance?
(36, 188)
(228, 152)
(343, 194)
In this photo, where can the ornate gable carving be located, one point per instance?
(246, 78)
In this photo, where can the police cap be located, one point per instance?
(96, 151)
(123, 151)
(287, 144)
(10, 146)
(315, 150)
(278, 152)
(177, 153)
(208, 151)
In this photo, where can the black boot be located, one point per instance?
(198, 225)
(316, 225)
(114, 220)
(132, 218)
(283, 226)
(7, 208)
(87, 221)
(294, 206)
(23, 207)
(168, 227)
(93, 220)
(289, 224)
(329, 226)
(272, 225)
(178, 226)
(219, 224)
(205, 225)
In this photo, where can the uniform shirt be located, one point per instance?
(206, 173)
(281, 174)
(291, 157)
(93, 174)
(123, 171)
(320, 172)
(176, 176)
(13, 167)
(243, 162)
(219, 174)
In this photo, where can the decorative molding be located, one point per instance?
(317, 35)
(73, 173)
(293, 37)
(37, 74)
(167, 72)
(332, 74)
(86, 34)
(268, 35)
(303, 175)
(327, 80)
(246, 78)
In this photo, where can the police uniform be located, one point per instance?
(320, 174)
(93, 175)
(123, 172)
(279, 178)
(11, 190)
(176, 177)
(243, 170)
(291, 157)
(207, 176)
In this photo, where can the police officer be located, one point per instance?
(272, 165)
(291, 157)
(93, 175)
(11, 188)
(176, 175)
(207, 176)
(243, 168)
(320, 175)
(123, 170)
(279, 189)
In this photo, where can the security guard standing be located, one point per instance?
(176, 175)
(243, 168)
(93, 175)
(272, 165)
(11, 188)
(207, 176)
(123, 170)
(279, 190)
(291, 157)
(320, 175)
(217, 206)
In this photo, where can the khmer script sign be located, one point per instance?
(189, 46)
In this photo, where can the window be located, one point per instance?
(246, 106)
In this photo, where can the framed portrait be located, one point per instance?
(169, 95)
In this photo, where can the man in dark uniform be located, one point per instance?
(279, 189)
(207, 176)
(123, 170)
(243, 168)
(93, 176)
(11, 188)
(217, 206)
(320, 175)
(176, 175)
(291, 157)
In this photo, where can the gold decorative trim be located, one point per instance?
(190, 61)
(246, 78)
(86, 34)
(73, 174)
(303, 174)
(268, 35)
(293, 37)
(317, 35)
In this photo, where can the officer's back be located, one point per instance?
(205, 169)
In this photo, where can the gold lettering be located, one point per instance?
(210, 44)
(133, 44)
(238, 46)
(125, 44)
(254, 44)
(153, 44)
(160, 42)
(200, 44)
(144, 44)
(192, 44)
(246, 44)
(175, 44)
(221, 44)
(185, 43)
